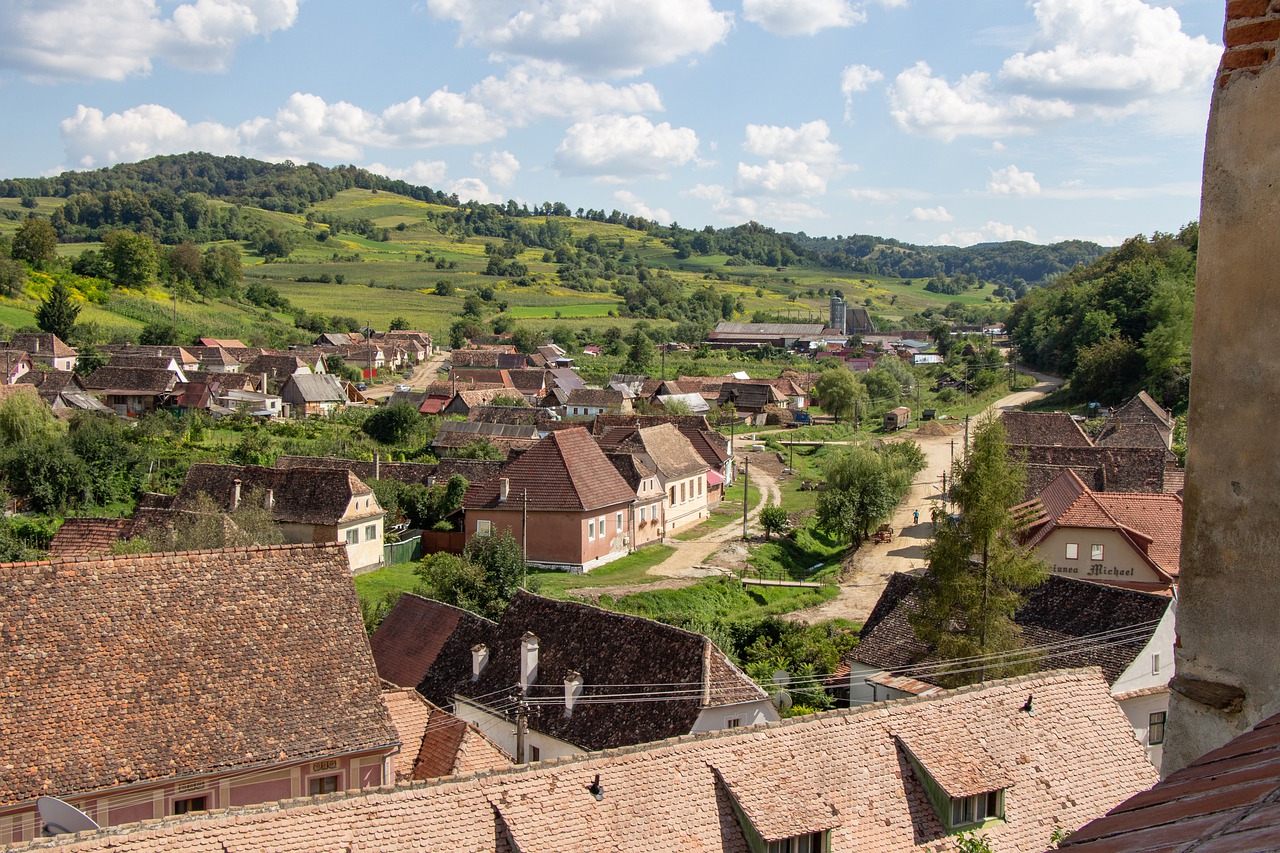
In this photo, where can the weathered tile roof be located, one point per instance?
(474, 470)
(1129, 434)
(464, 401)
(1049, 429)
(1143, 409)
(41, 344)
(510, 415)
(745, 395)
(566, 470)
(276, 365)
(672, 453)
(301, 495)
(313, 388)
(154, 666)
(1225, 800)
(1061, 609)
(409, 641)
(469, 374)
(214, 355)
(482, 358)
(675, 795)
(84, 537)
(435, 743)
(1103, 469)
(596, 398)
(130, 380)
(710, 445)
(613, 652)
(50, 383)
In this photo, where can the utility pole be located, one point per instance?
(522, 726)
(966, 436)
(944, 491)
(524, 536)
(746, 487)
(663, 377)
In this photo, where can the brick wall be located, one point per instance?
(1251, 37)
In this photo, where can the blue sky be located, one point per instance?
(932, 121)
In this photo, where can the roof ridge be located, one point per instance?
(291, 546)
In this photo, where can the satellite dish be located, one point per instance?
(59, 817)
(782, 701)
(781, 678)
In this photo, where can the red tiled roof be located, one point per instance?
(566, 470)
(1074, 758)
(409, 640)
(84, 537)
(153, 666)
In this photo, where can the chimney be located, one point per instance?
(572, 691)
(528, 660)
(235, 495)
(479, 660)
(264, 383)
(504, 489)
(377, 466)
(271, 499)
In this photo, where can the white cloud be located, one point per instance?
(306, 127)
(930, 214)
(855, 79)
(1096, 59)
(536, 90)
(501, 167)
(1112, 52)
(871, 194)
(1013, 181)
(737, 208)
(991, 232)
(430, 173)
(810, 142)
(779, 179)
(474, 189)
(622, 147)
(801, 17)
(633, 204)
(598, 36)
(85, 40)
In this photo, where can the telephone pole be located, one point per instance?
(524, 536)
(522, 727)
(746, 488)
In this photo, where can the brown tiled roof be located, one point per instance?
(41, 344)
(608, 649)
(1048, 429)
(1122, 434)
(131, 380)
(1058, 610)
(529, 381)
(710, 445)
(1225, 800)
(468, 374)
(1072, 760)
(146, 362)
(409, 641)
(276, 365)
(458, 434)
(465, 401)
(84, 537)
(598, 398)
(1103, 469)
(1143, 409)
(301, 495)
(483, 358)
(178, 354)
(566, 470)
(50, 383)
(146, 667)
(214, 355)
(672, 454)
(473, 470)
(510, 415)
(745, 395)
(435, 743)
(960, 772)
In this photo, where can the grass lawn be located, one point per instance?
(373, 587)
(793, 558)
(630, 569)
(728, 512)
(719, 599)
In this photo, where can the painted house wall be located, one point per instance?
(689, 505)
(501, 731)
(1138, 710)
(1121, 562)
(131, 803)
(561, 539)
(746, 713)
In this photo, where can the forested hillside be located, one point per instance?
(1121, 324)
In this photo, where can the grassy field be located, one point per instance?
(630, 569)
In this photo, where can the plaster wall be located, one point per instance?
(1228, 665)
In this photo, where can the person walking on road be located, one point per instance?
(915, 517)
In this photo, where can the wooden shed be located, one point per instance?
(896, 419)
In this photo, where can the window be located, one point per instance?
(642, 512)
(190, 804)
(535, 754)
(1073, 551)
(810, 842)
(591, 531)
(1095, 552)
(619, 520)
(322, 785)
(673, 494)
(484, 527)
(976, 809)
(370, 532)
(1155, 664)
(353, 536)
(733, 722)
(682, 493)
(601, 526)
(699, 487)
(1155, 728)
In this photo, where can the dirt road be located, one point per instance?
(872, 565)
(423, 375)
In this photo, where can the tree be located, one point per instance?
(393, 424)
(640, 353)
(483, 580)
(444, 287)
(978, 572)
(773, 519)
(398, 324)
(13, 276)
(132, 258)
(158, 334)
(861, 490)
(35, 242)
(839, 391)
(58, 313)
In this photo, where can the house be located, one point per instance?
(222, 343)
(131, 392)
(589, 402)
(276, 368)
(896, 419)
(1103, 469)
(753, 335)
(254, 403)
(182, 357)
(569, 658)
(216, 359)
(1127, 538)
(532, 384)
(434, 743)
(1043, 429)
(749, 398)
(692, 404)
(310, 394)
(45, 348)
(648, 513)
(576, 503)
(709, 444)
(462, 402)
(191, 695)
(681, 472)
(525, 415)
(1224, 800)
(311, 505)
(62, 390)
(901, 776)
(453, 436)
(15, 364)
(1064, 623)
(1141, 410)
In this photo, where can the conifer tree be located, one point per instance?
(58, 313)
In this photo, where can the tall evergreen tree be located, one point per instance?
(978, 572)
(58, 313)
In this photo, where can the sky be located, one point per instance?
(930, 121)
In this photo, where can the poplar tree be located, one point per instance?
(979, 574)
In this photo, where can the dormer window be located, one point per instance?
(970, 811)
(810, 842)
(965, 787)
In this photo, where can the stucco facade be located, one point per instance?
(1116, 561)
(562, 539)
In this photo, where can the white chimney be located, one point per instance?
(504, 489)
(235, 495)
(528, 660)
(572, 691)
(377, 466)
(271, 499)
(479, 660)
